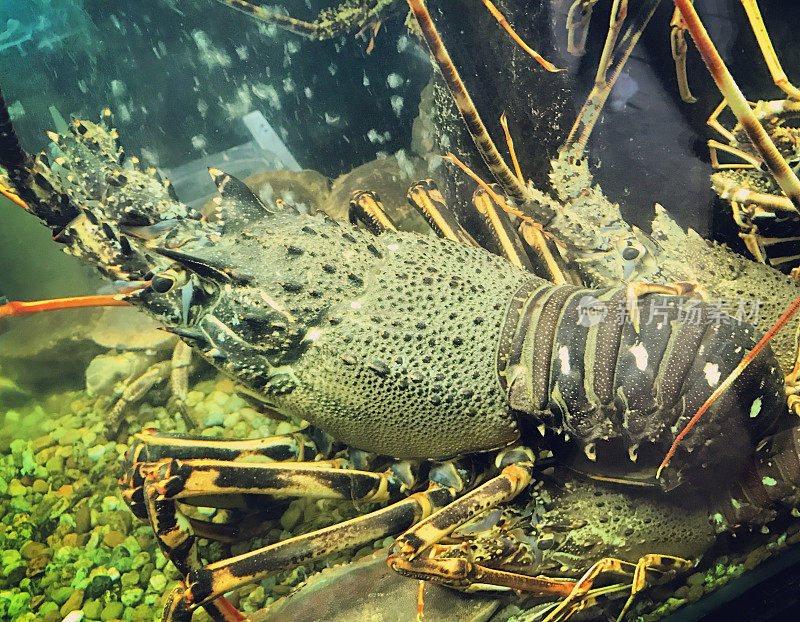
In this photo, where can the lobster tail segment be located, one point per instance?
(773, 479)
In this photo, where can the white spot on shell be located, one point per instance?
(394, 80)
(393, 247)
(563, 355)
(755, 407)
(711, 370)
(640, 355)
(355, 305)
(313, 334)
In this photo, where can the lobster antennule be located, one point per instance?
(782, 321)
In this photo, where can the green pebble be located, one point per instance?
(140, 560)
(18, 603)
(46, 607)
(73, 603)
(291, 516)
(61, 594)
(54, 465)
(98, 586)
(674, 603)
(14, 573)
(70, 437)
(696, 579)
(160, 560)
(20, 505)
(96, 452)
(158, 582)
(92, 609)
(695, 592)
(145, 572)
(130, 579)
(18, 445)
(132, 544)
(143, 613)
(131, 596)
(16, 489)
(112, 611)
(123, 564)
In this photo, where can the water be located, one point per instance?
(407, 365)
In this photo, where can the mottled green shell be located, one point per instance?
(387, 343)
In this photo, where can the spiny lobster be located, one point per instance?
(410, 348)
(407, 347)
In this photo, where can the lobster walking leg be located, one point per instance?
(574, 601)
(366, 208)
(484, 143)
(135, 391)
(578, 18)
(328, 24)
(425, 197)
(507, 27)
(637, 289)
(155, 488)
(152, 446)
(677, 41)
(774, 65)
(180, 364)
(404, 556)
(213, 580)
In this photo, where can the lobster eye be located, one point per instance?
(630, 253)
(164, 282)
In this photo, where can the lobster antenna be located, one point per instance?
(16, 308)
(782, 321)
(480, 136)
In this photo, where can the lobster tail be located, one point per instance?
(774, 477)
(573, 359)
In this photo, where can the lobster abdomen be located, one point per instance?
(572, 358)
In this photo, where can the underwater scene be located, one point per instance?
(388, 310)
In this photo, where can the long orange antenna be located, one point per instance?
(16, 308)
(788, 314)
(13, 196)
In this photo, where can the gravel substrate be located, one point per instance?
(71, 550)
(69, 546)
